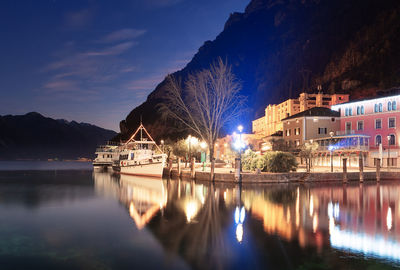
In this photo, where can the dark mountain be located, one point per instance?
(279, 48)
(33, 136)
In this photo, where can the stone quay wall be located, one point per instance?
(285, 177)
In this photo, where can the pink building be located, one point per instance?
(377, 118)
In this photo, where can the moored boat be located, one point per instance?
(105, 156)
(141, 157)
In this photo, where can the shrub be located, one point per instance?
(280, 162)
(270, 162)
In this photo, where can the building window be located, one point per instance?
(378, 140)
(297, 131)
(346, 112)
(376, 108)
(392, 140)
(389, 106)
(360, 125)
(348, 127)
(380, 107)
(322, 130)
(297, 142)
(362, 109)
(358, 110)
(392, 122)
(378, 123)
(350, 111)
(288, 132)
(394, 107)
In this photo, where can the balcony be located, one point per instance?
(344, 142)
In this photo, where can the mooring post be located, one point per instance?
(169, 167)
(361, 166)
(345, 170)
(378, 169)
(192, 170)
(179, 167)
(237, 169)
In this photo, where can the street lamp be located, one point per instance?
(162, 144)
(388, 161)
(331, 149)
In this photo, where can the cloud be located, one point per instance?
(61, 85)
(122, 35)
(113, 50)
(79, 18)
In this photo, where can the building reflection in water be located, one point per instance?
(194, 219)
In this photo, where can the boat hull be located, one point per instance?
(154, 169)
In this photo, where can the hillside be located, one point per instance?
(33, 136)
(279, 48)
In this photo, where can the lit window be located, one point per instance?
(392, 122)
(392, 140)
(378, 140)
(360, 125)
(389, 106)
(378, 123)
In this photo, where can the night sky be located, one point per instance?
(94, 61)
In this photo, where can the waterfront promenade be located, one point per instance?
(317, 174)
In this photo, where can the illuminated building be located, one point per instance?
(376, 118)
(314, 123)
(271, 121)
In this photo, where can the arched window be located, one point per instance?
(380, 107)
(358, 110)
(362, 109)
(394, 107)
(389, 106)
(350, 111)
(392, 140)
(346, 112)
(378, 140)
(376, 108)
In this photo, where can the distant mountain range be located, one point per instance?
(33, 136)
(279, 48)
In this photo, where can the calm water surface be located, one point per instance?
(79, 219)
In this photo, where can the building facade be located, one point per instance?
(377, 118)
(271, 121)
(308, 125)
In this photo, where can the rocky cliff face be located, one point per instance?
(33, 136)
(279, 48)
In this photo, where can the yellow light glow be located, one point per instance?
(389, 219)
(191, 210)
(311, 206)
(315, 223)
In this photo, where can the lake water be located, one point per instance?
(79, 219)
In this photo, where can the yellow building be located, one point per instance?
(271, 121)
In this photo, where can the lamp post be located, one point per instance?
(388, 161)
(331, 149)
(162, 145)
(240, 128)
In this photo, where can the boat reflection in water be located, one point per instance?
(279, 226)
(144, 197)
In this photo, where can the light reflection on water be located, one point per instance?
(100, 220)
(352, 219)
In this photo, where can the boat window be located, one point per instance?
(132, 155)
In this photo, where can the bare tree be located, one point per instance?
(205, 102)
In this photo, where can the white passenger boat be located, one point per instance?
(140, 157)
(105, 156)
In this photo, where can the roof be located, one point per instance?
(316, 111)
(395, 91)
